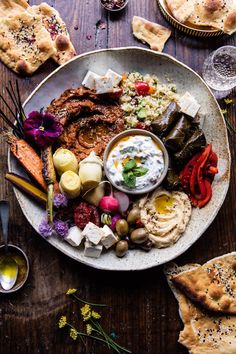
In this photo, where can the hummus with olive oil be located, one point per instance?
(165, 216)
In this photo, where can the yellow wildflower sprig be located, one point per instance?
(72, 293)
(93, 328)
(231, 129)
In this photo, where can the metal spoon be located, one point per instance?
(8, 266)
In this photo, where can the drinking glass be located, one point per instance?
(219, 68)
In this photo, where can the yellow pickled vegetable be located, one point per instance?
(90, 171)
(70, 184)
(64, 160)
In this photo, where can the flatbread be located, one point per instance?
(12, 7)
(218, 14)
(203, 333)
(24, 43)
(212, 285)
(180, 10)
(149, 32)
(54, 24)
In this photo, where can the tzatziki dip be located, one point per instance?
(135, 162)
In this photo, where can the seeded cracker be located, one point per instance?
(24, 43)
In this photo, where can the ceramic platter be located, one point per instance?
(164, 66)
(197, 31)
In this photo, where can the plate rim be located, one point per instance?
(18, 193)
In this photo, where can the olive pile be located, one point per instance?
(130, 235)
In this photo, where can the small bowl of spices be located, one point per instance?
(114, 5)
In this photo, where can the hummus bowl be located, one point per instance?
(166, 68)
(156, 160)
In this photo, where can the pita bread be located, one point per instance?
(212, 285)
(149, 32)
(53, 23)
(203, 333)
(218, 14)
(24, 43)
(180, 10)
(12, 7)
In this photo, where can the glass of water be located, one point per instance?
(219, 69)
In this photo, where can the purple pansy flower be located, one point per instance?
(42, 128)
(61, 228)
(60, 200)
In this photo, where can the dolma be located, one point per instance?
(164, 123)
(195, 143)
(174, 141)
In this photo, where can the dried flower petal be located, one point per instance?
(96, 315)
(42, 129)
(60, 200)
(45, 229)
(61, 228)
(89, 328)
(62, 322)
(71, 291)
(86, 312)
(73, 333)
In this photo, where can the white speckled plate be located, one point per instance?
(164, 66)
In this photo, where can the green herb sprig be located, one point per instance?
(131, 171)
(94, 330)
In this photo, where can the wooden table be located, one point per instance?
(143, 311)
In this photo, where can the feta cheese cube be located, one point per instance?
(92, 233)
(103, 85)
(116, 78)
(108, 239)
(90, 80)
(74, 236)
(189, 105)
(93, 251)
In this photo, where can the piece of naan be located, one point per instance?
(149, 32)
(24, 43)
(218, 14)
(212, 285)
(52, 21)
(12, 7)
(203, 333)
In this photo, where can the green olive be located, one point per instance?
(139, 236)
(121, 248)
(122, 227)
(133, 215)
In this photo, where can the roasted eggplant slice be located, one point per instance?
(195, 143)
(174, 141)
(164, 123)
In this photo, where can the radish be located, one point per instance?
(123, 200)
(109, 204)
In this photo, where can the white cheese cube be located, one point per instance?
(116, 78)
(108, 239)
(92, 233)
(90, 80)
(74, 236)
(189, 105)
(93, 251)
(103, 85)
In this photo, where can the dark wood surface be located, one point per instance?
(143, 311)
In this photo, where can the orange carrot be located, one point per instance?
(29, 159)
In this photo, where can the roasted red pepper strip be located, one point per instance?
(197, 175)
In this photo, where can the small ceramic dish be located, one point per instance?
(23, 267)
(197, 31)
(115, 9)
(132, 132)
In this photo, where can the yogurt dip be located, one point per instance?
(141, 152)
